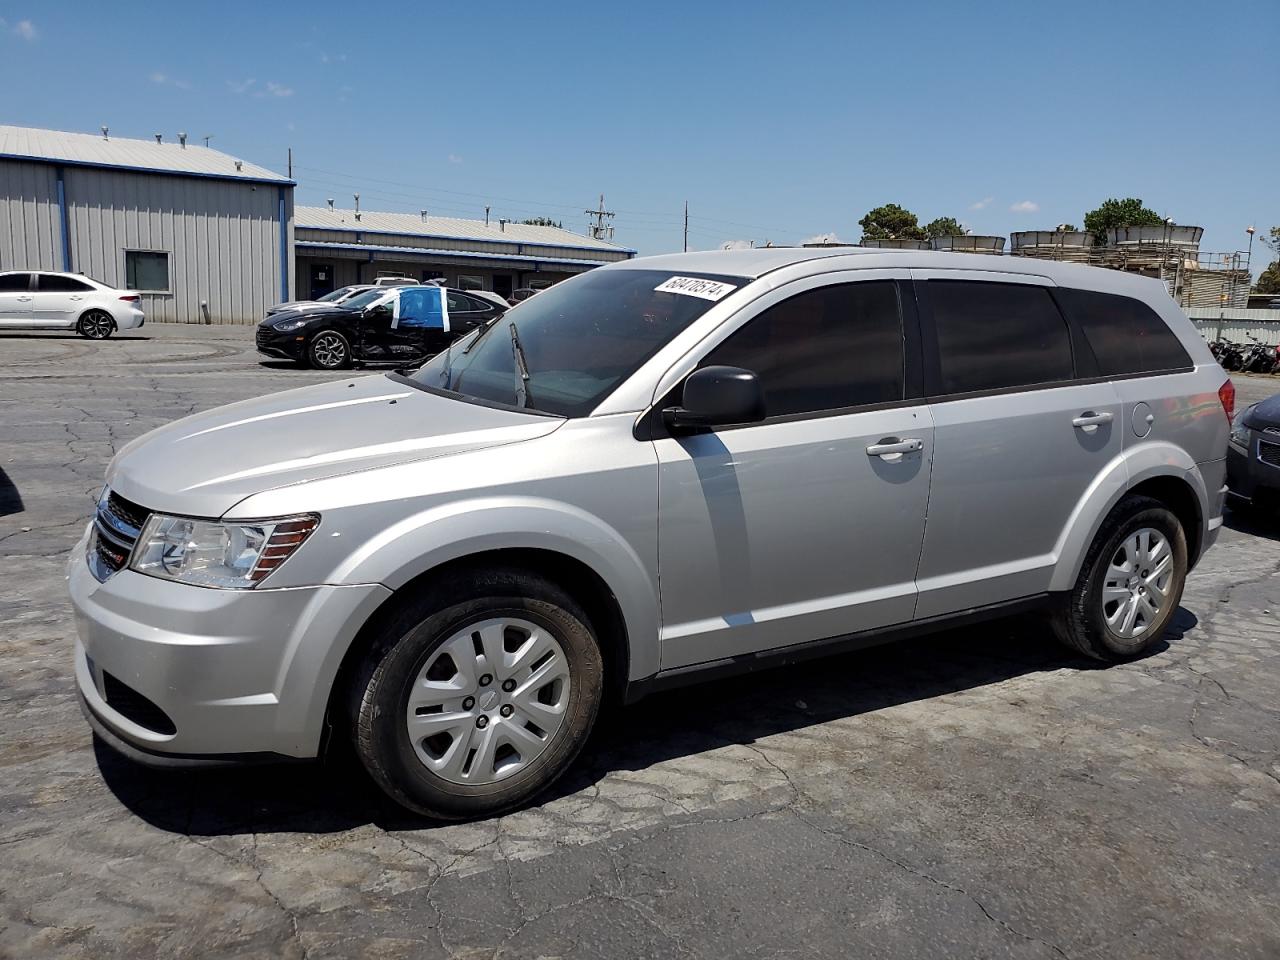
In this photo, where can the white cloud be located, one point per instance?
(454, 158)
(279, 89)
(1025, 206)
(26, 30)
(736, 245)
(158, 77)
(163, 79)
(242, 86)
(981, 204)
(823, 238)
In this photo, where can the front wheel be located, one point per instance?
(96, 325)
(475, 701)
(1130, 584)
(329, 350)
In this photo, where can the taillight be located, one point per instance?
(1227, 396)
(131, 298)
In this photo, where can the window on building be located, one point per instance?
(833, 347)
(998, 335)
(146, 270)
(53, 283)
(14, 281)
(1126, 335)
(470, 283)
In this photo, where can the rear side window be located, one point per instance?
(50, 283)
(1126, 335)
(994, 336)
(15, 281)
(834, 347)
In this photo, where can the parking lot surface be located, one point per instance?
(980, 793)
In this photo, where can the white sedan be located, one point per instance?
(42, 300)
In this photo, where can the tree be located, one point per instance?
(543, 222)
(1067, 228)
(1128, 212)
(943, 227)
(891, 222)
(1269, 279)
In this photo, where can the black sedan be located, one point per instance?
(372, 327)
(1253, 455)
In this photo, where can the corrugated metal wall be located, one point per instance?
(30, 236)
(509, 248)
(223, 238)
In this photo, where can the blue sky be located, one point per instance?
(776, 122)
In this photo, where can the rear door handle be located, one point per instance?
(24, 299)
(1091, 419)
(892, 447)
(77, 298)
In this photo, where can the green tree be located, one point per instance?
(943, 227)
(1128, 212)
(891, 222)
(1067, 228)
(1269, 279)
(543, 222)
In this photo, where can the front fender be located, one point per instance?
(1132, 467)
(463, 528)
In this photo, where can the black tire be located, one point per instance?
(379, 692)
(329, 350)
(95, 325)
(1080, 620)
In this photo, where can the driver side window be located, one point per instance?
(824, 349)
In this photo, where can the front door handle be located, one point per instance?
(24, 299)
(1091, 419)
(77, 298)
(891, 448)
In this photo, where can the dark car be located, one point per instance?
(1253, 455)
(366, 329)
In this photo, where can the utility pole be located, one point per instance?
(291, 163)
(599, 230)
(686, 226)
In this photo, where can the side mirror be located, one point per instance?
(716, 396)
(380, 310)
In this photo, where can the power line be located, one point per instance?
(599, 230)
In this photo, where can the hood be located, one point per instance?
(203, 465)
(1265, 414)
(300, 310)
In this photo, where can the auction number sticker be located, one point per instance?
(696, 287)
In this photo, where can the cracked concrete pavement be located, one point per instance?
(977, 793)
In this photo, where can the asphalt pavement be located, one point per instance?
(979, 793)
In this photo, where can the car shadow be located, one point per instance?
(1254, 521)
(66, 335)
(338, 795)
(10, 498)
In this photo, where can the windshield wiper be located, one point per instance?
(522, 368)
(480, 336)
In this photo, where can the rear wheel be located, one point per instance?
(1130, 584)
(95, 325)
(477, 696)
(329, 350)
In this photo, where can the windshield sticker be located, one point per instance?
(696, 287)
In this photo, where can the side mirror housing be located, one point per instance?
(380, 310)
(717, 396)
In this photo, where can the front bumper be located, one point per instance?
(285, 346)
(1253, 472)
(217, 672)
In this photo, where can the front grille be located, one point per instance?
(261, 337)
(1269, 453)
(132, 705)
(116, 528)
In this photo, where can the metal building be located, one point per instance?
(336, 247)
(202, 236)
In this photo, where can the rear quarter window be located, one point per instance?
(1126, 335)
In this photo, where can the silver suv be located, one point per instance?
(661, 470)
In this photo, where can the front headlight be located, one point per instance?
(1239, 432)
(209, 553)
(284, 326)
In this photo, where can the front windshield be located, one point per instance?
(362, 300)
(579, 339)
(334, 296)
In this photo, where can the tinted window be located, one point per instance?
(1125, 334)
(460, 304)
(15, 281)
(54, 284)
(824, 349)
(998, 335)
(146, 270)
